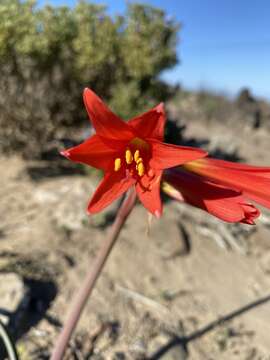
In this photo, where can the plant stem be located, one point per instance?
(7, 341)
(92, 276)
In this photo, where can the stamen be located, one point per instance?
(117, 164)
(129, 157)
(139, 160)
(140, 168)
(136, 155)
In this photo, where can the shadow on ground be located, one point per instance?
(38, 296)
(182, 342)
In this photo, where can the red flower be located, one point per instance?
(130, 154)
(222, 188)
(252, 181)
(225, 203)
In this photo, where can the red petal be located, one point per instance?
(92, 152)
(165, 156)
(106, 123)
(265, 171)
(251, 213)
(151, 123)
(233, 209)
(224, 203)
(111, 187)
(253, 181)
(149, 193)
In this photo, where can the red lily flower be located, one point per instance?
(252, 181)
(222, 188)
(130, 154)
(223, 202)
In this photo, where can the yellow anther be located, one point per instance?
(140, 168)
(136, 155)
(139, 160)
(117, 164)
(129, 157)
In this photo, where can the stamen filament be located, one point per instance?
(151, 173)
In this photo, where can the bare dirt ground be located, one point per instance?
(195, 288)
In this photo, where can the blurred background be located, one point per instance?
(195, 286)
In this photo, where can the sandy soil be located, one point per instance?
(195, 288)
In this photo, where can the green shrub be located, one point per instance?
(48, 55)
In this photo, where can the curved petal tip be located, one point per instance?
(65, 153)
(160, 108)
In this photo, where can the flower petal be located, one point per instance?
(253, 182)
(93, 152)
(265, 171)
(110, 188)
(149, 193)
(251, 213)
(105, 122)
(165, 155)
(224, 203)
(151, 123)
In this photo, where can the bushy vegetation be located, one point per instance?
(48, 55)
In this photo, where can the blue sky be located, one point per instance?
(224, 45)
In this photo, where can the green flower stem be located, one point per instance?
(92, 276)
